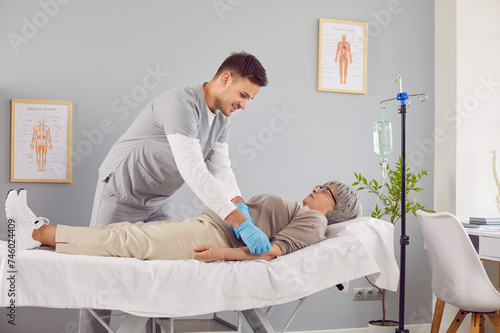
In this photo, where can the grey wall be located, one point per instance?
(96, 52)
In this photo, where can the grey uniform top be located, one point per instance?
(140, 169)
(286, 223)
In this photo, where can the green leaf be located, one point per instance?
(390, 198)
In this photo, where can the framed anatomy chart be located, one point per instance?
(40, 141)
(342, 56)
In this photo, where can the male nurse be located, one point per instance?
(181, 137)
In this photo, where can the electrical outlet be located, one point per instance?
(369, 294)
(372, 293)
(366, 294)
(358, 294)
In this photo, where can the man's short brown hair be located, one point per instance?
(243, 64)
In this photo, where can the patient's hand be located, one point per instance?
(209, 253)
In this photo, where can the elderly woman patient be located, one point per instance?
(289, 226)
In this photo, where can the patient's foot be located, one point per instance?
(25, 222)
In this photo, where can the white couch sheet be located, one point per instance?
(174, 288)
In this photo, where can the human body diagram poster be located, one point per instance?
(41, 141)
(342, 56)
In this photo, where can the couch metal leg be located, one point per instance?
(258, 321)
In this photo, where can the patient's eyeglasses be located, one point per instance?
(322, 189)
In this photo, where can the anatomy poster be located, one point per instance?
(41, 141)
(342, 56)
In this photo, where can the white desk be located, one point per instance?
(486, 241)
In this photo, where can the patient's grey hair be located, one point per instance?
(348, 204)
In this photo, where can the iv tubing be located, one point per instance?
(384, 178)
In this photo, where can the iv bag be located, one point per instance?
(382, 139)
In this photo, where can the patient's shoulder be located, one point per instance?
(272, 199)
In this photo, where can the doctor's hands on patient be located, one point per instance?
(245, 229)
(254, 238)
(210, 253)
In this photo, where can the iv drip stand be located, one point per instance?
(404, 99)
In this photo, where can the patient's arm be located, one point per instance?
(209, 253)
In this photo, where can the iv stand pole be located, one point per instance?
(403, 97)
(404, 240)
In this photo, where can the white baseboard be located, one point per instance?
(416, 328)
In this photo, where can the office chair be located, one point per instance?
(458, 276)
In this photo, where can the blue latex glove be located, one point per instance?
(245, 211)
(253, 237)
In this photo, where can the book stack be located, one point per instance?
(484, 220)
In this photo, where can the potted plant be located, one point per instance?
(391, 206)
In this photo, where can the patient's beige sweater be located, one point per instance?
(286, 223)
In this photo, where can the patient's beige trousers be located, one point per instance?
(152, 240)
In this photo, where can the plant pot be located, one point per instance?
(376, 326)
